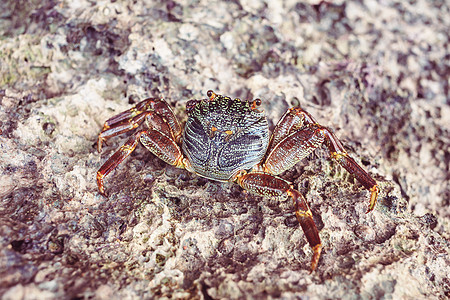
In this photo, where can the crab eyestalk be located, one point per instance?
(255, 103)
(211, 95)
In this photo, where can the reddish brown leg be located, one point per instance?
(297, 135)
(162, 118)
(270, 186)
(116, 159)
(338, 152)
(292, 120)
(293, 148)
(163, 147)
(118, 128)
(158, 143)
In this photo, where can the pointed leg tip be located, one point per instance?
(99, 145)
(370, 208)
(373, 198)
(101, 188)
(101, 191)
(317, 249)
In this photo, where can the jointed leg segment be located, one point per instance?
(293, 120)
(268, 185)
(116, 159)
(164, 130)
(340, 155)
(118, 128)
(158, 114)
(297, 135)
(304, 217)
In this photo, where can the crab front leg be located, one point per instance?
(155, 141)
(271, 186)
(297, 135)
(161, 138)
(130, 119)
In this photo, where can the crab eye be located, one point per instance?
(255, 103)
(211, 95)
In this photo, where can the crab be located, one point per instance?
(228, 139)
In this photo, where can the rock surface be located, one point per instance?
(374, 72)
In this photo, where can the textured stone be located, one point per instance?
(374, 72)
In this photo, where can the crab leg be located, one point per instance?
(270, 186)
(338, 153)
(132, 118)
(298, 134)
(118, 128)
(112, 162)
(157, 142)
(293, 148)
(163, 147)
(292, 120)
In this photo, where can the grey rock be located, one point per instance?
(376, 73)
